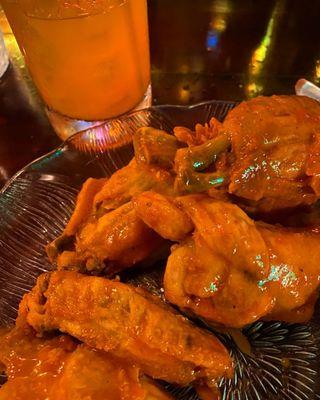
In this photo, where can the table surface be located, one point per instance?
(200, 50)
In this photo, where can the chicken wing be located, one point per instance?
(294, 275)
(104, 232)
(155, 147)
(213, 272)
(58, 368)
(131, 180)
(233, 271)
(119, 239)
(272, 159)
(127, 322)
(162, 215)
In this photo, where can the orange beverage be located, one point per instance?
(88, 58)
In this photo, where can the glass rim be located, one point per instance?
(63, 10)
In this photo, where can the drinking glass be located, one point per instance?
(88, 58)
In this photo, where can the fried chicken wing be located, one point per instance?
(272, 160)
(271, 140)
(84, 205)
(154, 146)
(233, 271)
(162, 215)
(119, 239)
(131, 180)
(127, 322)
(215, 270)
(104, 232)
(294, 271)
(58, 368)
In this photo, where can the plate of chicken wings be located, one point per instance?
(170, 254)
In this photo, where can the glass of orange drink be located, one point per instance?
(88, 58)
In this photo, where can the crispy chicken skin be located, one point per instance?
(294, 274)
(127, 322)
(155, 147)
(274, 140)
(58, 368)
(113, 242)
(213, 271)
(104, 233)
(271, 161)
(233, 271)
(117, 240)
(157, 211)
(131, 180)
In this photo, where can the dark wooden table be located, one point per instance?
(200, 50)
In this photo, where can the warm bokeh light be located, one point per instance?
(184, 94)
(260, 55)
(261, 52)
(220, 10)
(316, 77)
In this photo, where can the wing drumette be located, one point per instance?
(266, 153)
